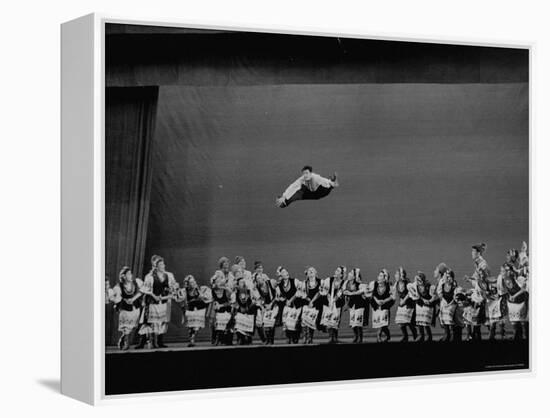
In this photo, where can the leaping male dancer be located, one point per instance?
(309, 186)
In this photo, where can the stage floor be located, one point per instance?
(205, 367)
(345, 336)
(280, 342)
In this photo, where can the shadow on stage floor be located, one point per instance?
(173, 370)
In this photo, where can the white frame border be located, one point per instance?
(97, 379)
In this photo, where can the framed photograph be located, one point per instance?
(244, 207)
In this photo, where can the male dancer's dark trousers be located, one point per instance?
(305, 194)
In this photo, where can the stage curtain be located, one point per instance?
(129, 127)
(130, 114)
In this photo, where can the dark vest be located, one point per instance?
(288, 294)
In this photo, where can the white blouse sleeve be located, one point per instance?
(321, 181)
(147, 287)
(116, 296)
(172, 284)
(293, 188)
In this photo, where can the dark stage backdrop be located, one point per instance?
(426, 170)
(141, 55)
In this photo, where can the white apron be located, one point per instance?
(291, 317)
(196, 319)
(404, 315)
(269, 317)
(517, 312)
(356, 317)
(309, 317)
(244, 323)
(330, 317)
(380, 318)
(222, 319)
(447, 312)
(424, 315)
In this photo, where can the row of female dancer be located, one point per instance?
(242, 303)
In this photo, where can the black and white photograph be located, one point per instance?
(296, 208)
(277, 209)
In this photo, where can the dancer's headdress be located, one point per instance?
(155, 260)
(222, 261)
(123, 272)
(480, 248)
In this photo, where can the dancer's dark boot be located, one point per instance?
(160, 341)
(420, 337)
(387, 334)
(126, 345)
(120, 343)
(447, 336)
(502, 328)
(517, 331)
(405, 336)
(492, 331)
(525, 329)
(142, 342)
(413, 330)
(457, 334)
(428, 334)
(153, 340)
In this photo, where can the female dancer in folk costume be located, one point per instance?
(225, 279)
(309, 186)
(279, 303)
(244, 313)
(512, 259)
(311, 314)
(425, 297)
(238, 273)
(298, 303)
(263, 294)
(127, 298)
(495, 305)
(286, 292)
(109, 293)
(195, 302)
(462, 303)
(221, 309)
(247, 275)
(446, 287)
(474, 312)
(224, 271)
(244, 322)
(158, 287)
(520, 262)
(332, 297)
(381, 302)
(404, 316)
(516, 300)
(109, 309)
(523, 281)
(523, 261)
(357, 298)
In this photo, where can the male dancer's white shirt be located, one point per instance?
(312, 184)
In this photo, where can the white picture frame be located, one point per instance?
(82, 201)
